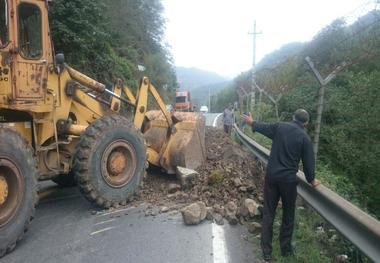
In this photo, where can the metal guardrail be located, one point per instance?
(360, 228)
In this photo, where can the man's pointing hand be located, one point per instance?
(247, 119)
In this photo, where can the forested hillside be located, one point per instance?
(193, 78)
(109, 39)
(350, 133)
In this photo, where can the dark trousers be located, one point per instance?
(273, 191)
(227, 128)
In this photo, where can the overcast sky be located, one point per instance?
(213, 34)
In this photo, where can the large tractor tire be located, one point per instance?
(65, 180)
(109, 161)
(18, 188)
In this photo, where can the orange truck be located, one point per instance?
(182, 101)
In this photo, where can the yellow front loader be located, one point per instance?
(58, 124)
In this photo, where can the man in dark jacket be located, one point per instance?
(290, 145)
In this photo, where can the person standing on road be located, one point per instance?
(290, 144)
(228, 119)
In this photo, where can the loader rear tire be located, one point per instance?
(18, 188)
(109, 161)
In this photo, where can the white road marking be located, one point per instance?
(216, 119)
(114, 211)
(102, 230)
(103, 222)
(219, 244)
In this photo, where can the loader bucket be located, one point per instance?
(183, 146)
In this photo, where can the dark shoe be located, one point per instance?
(287, 253)
(267, 258)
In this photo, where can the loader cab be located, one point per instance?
(25, 50)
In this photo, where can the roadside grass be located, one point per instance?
(310, 245)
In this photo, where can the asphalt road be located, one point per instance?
(213, 119)
(67, 228)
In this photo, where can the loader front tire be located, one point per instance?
(18, 188)
(109, 161)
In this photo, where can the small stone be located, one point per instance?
(93, 212)
(219, 209)
(232, 219)
(319, 230)
(243, 189)
(209, 215)
(218, 218)
(164, 209)
(231, 208)
(251, 188)
(211, 157)
(254, 227)
(237, 182)
(341, 258)
(173, 187)
(171, 196)
(249, 208)
(333, 238)
(194, 197)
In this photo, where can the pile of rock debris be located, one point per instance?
(228, 186)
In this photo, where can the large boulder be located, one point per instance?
(194, 214)
(187, 177)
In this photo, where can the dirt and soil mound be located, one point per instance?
(229, 175)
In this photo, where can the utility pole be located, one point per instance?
(209, 99)
(321, 93)
(253, 91)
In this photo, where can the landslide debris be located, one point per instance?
(229, 184)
